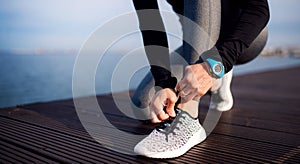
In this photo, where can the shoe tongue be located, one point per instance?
(163, 125)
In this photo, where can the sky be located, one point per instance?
(66, 24)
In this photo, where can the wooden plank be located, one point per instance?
(273, 137)
(35, 147)
(23, 154)
(260, 151)
(62, 145)
(8, 157)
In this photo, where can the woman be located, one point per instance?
(242, 23)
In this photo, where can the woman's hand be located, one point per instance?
(165, 97)
(195, 83)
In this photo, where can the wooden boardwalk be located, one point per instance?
(263, 127)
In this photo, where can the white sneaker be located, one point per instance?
(172, 138)
(222, 99)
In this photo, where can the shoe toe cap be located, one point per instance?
(140, 149)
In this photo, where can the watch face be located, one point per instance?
(217, 68)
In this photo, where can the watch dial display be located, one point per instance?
(217, 68)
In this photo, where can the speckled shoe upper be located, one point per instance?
(171, 136)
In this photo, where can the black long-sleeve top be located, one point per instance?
(241, 23)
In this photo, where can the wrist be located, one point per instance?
(215, 68)
(213, 59)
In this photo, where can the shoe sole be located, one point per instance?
(197, 138)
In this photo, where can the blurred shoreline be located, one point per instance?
(281, 51)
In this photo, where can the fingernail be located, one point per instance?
(172, 114)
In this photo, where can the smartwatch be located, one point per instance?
(217, 69)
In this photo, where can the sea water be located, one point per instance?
(39, 78)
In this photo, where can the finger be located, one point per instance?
(186, 91)
(154, 118)
(177, 88)
(197, 98)
(170, 107)
(183, 93)
(181, 84)
(155, 108)
(185, 85)
(162, 115)
(188, 98)
(204, 87)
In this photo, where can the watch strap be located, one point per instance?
(213, 58)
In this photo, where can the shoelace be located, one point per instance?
(167, 123)
(164, 127)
